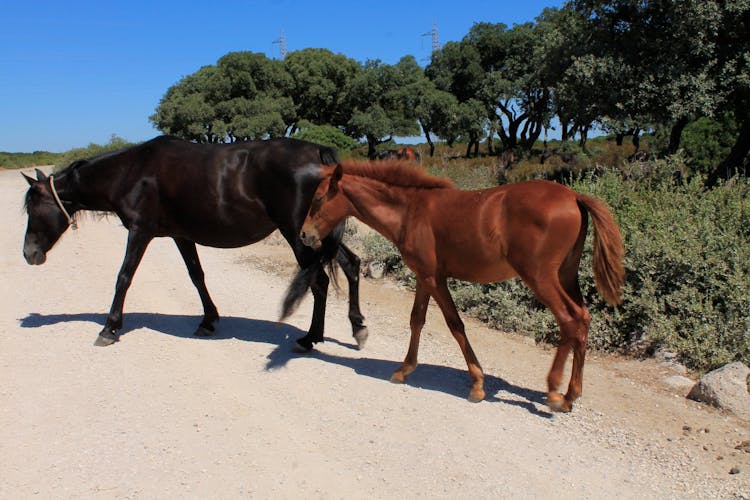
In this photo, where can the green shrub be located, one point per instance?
(326, 135)
(706, 141)
(115, 143)
(688, 278)
(25, 160)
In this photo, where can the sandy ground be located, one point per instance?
(162, 414)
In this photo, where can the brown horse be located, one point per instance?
(533, 230)
(406, 153)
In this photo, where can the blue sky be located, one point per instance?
(76, 72)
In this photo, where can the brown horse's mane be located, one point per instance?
(395, 173)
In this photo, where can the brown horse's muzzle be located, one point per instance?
(310, 237)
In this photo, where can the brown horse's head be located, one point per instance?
(327, 210)
(47, 221)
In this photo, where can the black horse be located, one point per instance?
(218, 195)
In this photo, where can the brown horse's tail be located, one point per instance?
(609, 274)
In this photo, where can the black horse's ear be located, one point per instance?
(39, 175)
(28, 179)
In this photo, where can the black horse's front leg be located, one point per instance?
(350, 264)
(137, 243)
(190, 256)
(319, 288)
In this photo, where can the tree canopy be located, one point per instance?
(623, 66)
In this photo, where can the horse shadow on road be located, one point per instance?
(444, 379)
(282, 336)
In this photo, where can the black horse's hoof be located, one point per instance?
(103, 341)
(303, 345)
(300, 349)
(203, 331)
(361, 337)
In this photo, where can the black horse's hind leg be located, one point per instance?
(190, 256)
(137, 243)
(349, 263)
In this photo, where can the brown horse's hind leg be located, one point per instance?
(578, 330)
(573, 335)
(418, 314)
(565, 303)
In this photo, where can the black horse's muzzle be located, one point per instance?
(33, 254)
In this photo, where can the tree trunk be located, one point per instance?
(584, 131)
(637, 138)
(371, 143)
(675, 134)
(490, 144)
(736, 158)
(563, 130)
(429, 141)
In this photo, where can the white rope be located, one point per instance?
(71, 222)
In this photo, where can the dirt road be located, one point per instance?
(162, 414)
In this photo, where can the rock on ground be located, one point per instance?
(726, 388)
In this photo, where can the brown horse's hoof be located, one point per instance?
(476, 396)
(361, 337)
(557, 402)
(398, 377)
(202, 331)
(104, 341)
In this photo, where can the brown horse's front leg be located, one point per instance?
(418, 314)
(448, 307)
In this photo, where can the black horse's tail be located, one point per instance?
(306, 276)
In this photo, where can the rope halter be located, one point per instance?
(71, 222)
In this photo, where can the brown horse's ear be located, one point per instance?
(338, 172)
(39, 175)
(28, 179)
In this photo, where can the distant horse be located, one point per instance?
(218, 195)
(405, 153)
(533, 230)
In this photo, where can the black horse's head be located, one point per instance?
(47, 219)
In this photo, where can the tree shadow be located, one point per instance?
(283, 336)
